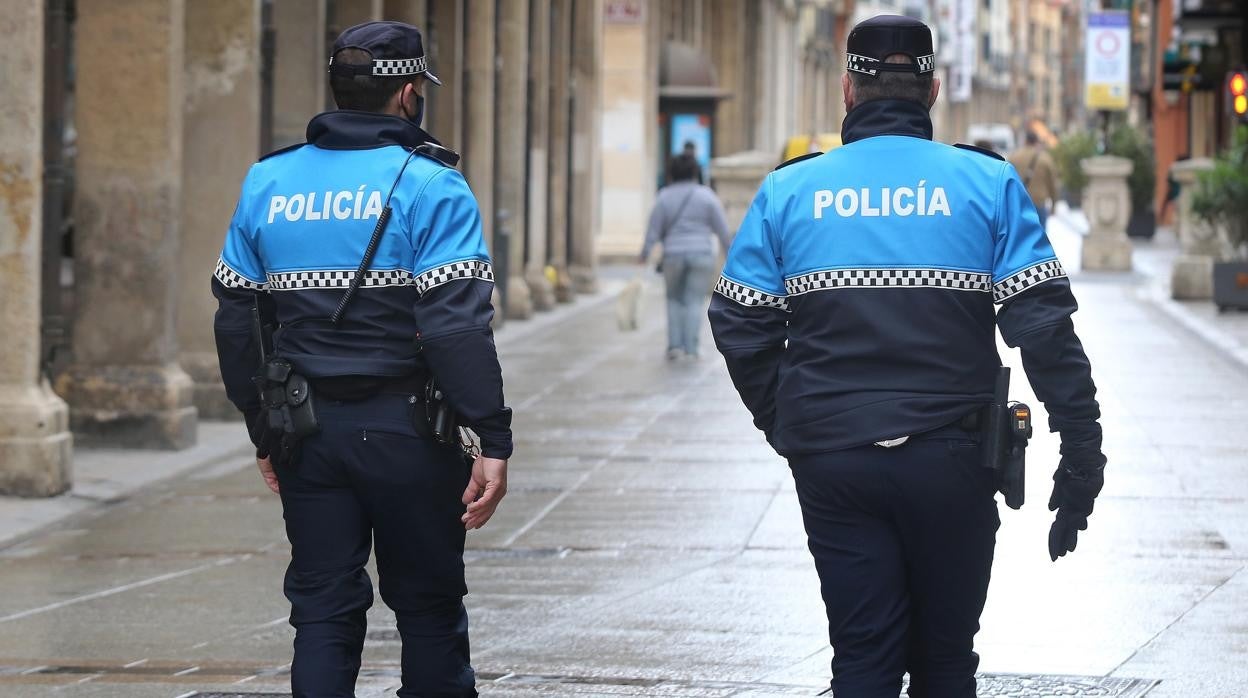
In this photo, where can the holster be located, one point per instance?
(444, 423)
(290, 407)
(1006, 429)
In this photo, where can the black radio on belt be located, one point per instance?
(1006, 429)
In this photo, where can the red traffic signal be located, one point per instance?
(1237, 93)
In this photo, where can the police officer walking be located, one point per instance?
(856, 316)
(363, 247)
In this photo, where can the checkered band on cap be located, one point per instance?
(861, 64)
(747, 296)
(400, 67)
(232, 279)
(337, 278)
(896, 278)
(466, 269)
(858, 64)
(1015, 284)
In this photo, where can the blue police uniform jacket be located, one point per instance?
(857, 301)
(302, 223)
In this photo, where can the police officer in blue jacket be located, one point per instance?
(370, 473)
(856, 316)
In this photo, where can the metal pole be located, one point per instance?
(56, 27)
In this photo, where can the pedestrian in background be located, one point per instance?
(856, 317)
(1035, 167)
(367, 468)
(687, 219)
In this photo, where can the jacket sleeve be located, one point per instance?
(453, 311)
(1035, 316)
(749, 312)
(238, 282)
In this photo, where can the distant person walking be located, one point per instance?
(1039, 174)
(687, 216)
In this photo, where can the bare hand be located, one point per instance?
(485, 490)
(266, 472)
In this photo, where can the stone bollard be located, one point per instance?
(737, 178)
(1107, 203)
(1191, 278)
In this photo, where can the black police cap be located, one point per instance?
(876, 39)
(396, 48)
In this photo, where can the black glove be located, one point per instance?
(258, 431)
(1074, 491)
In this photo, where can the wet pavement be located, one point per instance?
(652, 545)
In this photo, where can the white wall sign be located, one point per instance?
(1108, 61)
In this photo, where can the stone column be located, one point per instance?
(348, 13)
(409, 11)
(35, 445)
(125, 385)
(444, 44)
(509, 146)
(222, 96)
(478, 148)
(1191, 278)
(1108, 205)
(541, 290)
(560, 140)
(586, 143)
(300, 80)
(737, 178)
(627, 142)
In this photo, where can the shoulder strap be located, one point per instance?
(977, 149)
(1031, 169)
(798, 159)
(668, 225)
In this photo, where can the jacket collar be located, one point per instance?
(887, 117)
(356, 130)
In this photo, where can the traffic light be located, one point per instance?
(1237, 94)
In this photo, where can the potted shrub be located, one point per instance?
(1221, 199)
(1067, 155)
(1135, 145)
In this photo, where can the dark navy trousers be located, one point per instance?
(369, 479)
(903, 541)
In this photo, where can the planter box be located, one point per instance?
(1230, 285)
(1142, 224)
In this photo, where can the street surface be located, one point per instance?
(651, 544)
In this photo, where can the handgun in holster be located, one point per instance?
(1006, 429)
(445, 424)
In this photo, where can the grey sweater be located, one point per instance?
(687, 231)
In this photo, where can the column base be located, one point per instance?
(130, 406)
(564, 291)
(584, 278)
(1191, 278)
(36, 448)
(519, 301)
(209, 392)
(1107, 252)
(540, 290)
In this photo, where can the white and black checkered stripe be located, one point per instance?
(1015, 284)
(298, 280)
(232, 279)
(402, 66)
(745, 295)
(466, 269)
(858, 64)
(899, 278)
